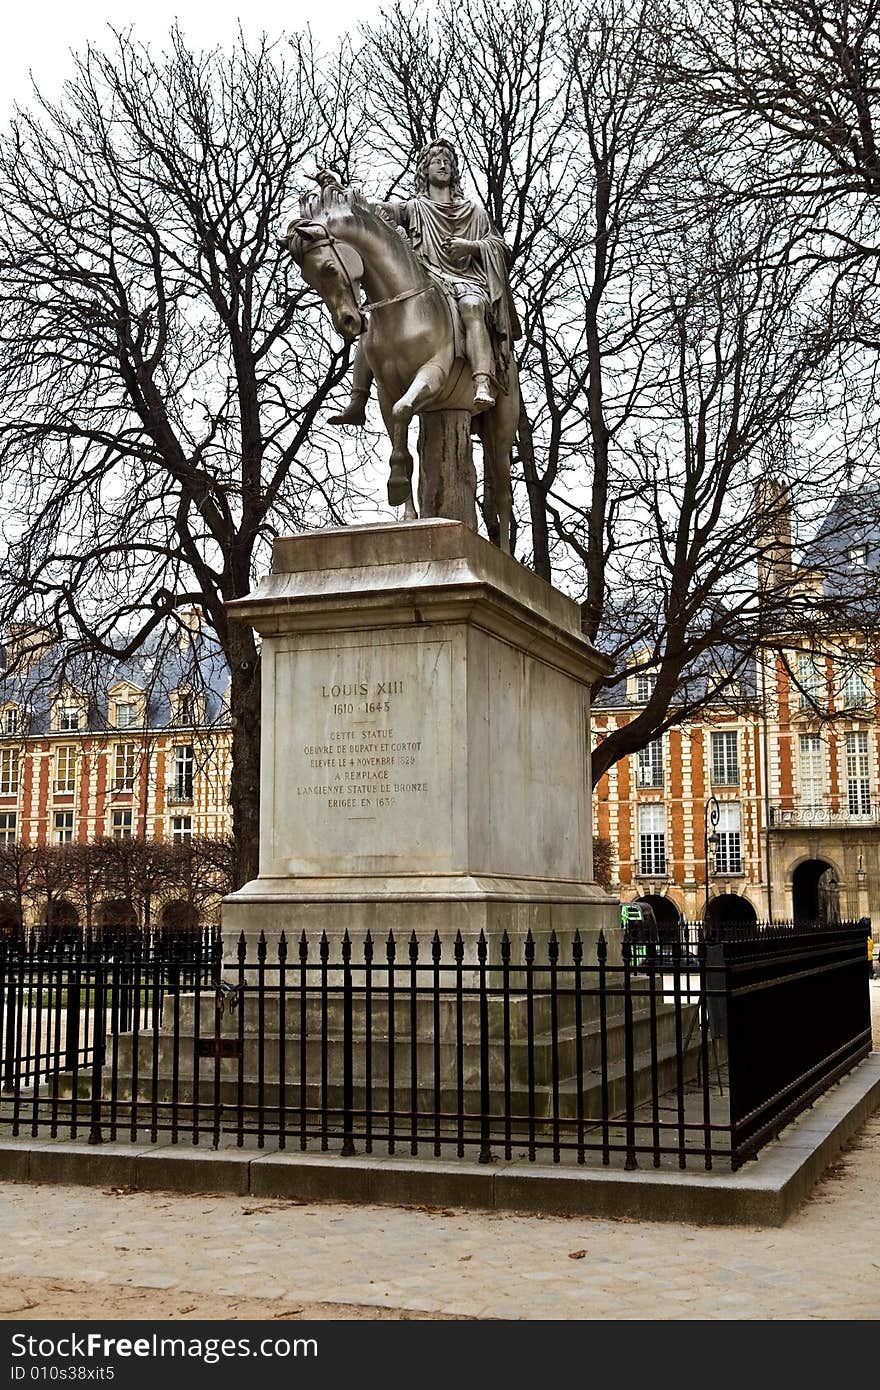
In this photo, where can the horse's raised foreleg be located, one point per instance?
(427, 385)
(400, 476)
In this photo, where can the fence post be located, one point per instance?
(95, 1135)
(485, 1146)
(631, 1161)
(7, 991)
(347, 1059)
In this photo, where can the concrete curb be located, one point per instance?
(764, 1193)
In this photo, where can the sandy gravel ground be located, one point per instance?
(69, 1252)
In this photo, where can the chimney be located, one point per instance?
(25, 643)
(773, 539)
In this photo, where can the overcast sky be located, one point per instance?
(38, 35)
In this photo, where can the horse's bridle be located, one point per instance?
(330, 240)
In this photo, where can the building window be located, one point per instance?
(725, 759)
(644, 688)
(65, 768)
(63, 827)
(183, 772)
(181, 829)
(68, 719)
(8, 826)
(652, 840)
(812, 771)
(728, 851)
(810, 681)
(10, 720)
(120, 825)
(8, 771)
(126, 714)
(124, 755)
(858, 773)
(651, 764)
(858, 556)
(856, 687)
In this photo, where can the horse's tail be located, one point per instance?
(483, 426)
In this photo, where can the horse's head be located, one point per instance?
(332, 268)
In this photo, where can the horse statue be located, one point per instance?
(344, 247)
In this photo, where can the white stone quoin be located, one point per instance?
(425, 743)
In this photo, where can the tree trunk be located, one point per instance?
(244, 791)
(537, 498)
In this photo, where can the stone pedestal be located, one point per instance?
(425, 759)
(447, 476)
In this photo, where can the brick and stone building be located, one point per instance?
(785, 772)
(136, 749)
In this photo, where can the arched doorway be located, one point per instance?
(10, 923)
(116, 914)
(666, 916)
(730, 910)
(805, 889)
(61, 919)
(179, 916)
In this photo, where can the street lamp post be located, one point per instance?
(711, 816)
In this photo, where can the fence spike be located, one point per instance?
(482, 948)
(553, 946)
(459, 948)
(262, 948)
(577, 948)
(436, 947)
(324, 949)
(413, 948)
(601, 946)
(368, 947)
(282, 947)
(505, 948)
(303, 947)
(242, 949)
(390, 947)
(346, 947)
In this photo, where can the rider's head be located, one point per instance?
(445, 152)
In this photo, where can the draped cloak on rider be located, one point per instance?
(428, 224)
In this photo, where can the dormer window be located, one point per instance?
(125, 714)
(186, 708)
(858, 556)
(68, 719)
(126, 706)
(10, 720)
(644, 688)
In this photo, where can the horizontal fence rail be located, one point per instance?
(549, 1049)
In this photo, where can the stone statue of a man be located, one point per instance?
(457, 244)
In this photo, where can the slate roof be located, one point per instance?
(194, 663)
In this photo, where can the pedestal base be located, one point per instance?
(425, 745)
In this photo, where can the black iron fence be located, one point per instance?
(542, 1049)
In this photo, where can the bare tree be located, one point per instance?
(160, 380)
(18, 864)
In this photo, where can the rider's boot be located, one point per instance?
(484, 396)
(355, 413)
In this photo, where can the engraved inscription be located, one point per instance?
(362, 762)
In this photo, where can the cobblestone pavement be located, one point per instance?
(82, 1252)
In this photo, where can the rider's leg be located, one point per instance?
(479, 348)
(355, 413)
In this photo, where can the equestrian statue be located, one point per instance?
(435, 331)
